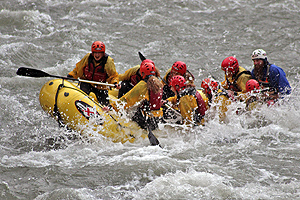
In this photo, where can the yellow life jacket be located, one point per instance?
(237, 82)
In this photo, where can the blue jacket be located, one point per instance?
(277, 79)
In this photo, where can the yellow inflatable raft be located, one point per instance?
(72, 107)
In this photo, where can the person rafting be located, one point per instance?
(253, 97)
(269, 75)
(235, 76)
(210, 88)
(144, 98)
(218, 98)
(178, 68)
(187, 101)
(131, 77)
(96, 66)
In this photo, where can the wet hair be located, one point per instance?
(154, 84)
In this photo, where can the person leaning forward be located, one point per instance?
(187, 100)
(219, 98)
(144, 98)
(131, 77)
(178, 68)
(96, 66)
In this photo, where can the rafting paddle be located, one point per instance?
(24, 71)
(153, 140)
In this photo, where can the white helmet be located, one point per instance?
(259, 54)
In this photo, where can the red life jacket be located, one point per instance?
(155, 100)
(134, 79)
(168, 78)
(97, 73)
(265, 83)
(201, 104)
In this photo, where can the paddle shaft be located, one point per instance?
(95, 82)
(23, 71)
(153, 140)
(176, 111)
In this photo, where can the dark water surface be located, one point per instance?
(253, 156)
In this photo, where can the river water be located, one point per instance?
(254, 155)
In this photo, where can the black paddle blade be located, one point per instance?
(142, 57)
(153, 140)
(23, 71)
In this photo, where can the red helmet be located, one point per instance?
(178, 82)
(98, 46)
(147, 68)
(179, 67)
(209, 84)
(252, 84)
(147, 61)
(230, 64)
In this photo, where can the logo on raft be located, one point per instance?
(89, 112)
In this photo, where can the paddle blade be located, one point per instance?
(142, 57)
(153, 140)
(23, 71)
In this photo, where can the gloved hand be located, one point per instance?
(117, 86)
(164, 102)
(70, 76)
